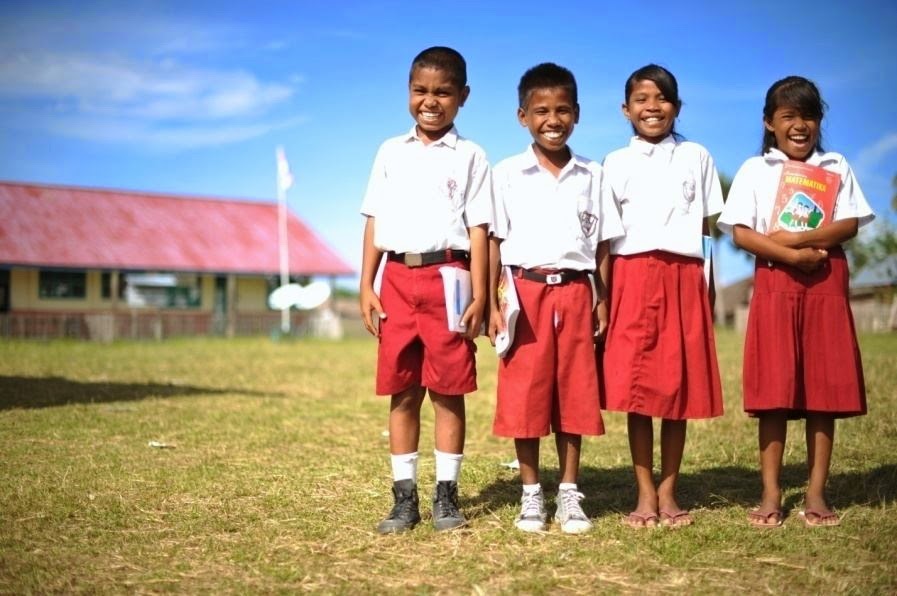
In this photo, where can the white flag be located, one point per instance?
(284, 176)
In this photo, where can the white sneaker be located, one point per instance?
(532, 516)
(569, 514)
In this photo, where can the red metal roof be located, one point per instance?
(85, 228)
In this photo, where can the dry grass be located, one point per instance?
(278, 472)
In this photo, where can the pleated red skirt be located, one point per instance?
(660, 354)
(800, 349)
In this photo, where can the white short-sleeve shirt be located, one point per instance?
(554, 223)
(753, 193)
(664, 191)
(423, 197)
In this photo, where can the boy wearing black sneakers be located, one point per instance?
(428, 206)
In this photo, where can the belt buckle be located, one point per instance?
(552, 279)
(414, 259)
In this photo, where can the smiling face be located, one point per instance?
(651, 113)
(434, 100)
(550, 114)
(796, 136)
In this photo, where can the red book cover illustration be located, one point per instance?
(805, 199)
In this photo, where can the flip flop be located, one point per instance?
(769, 519)
(675, 519)
(813, 518)
(640, 521)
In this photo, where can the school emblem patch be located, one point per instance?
(588, 222)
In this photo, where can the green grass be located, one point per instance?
(278, 473)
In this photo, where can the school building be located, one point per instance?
(103, 264)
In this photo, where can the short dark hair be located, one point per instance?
(664, 80)
(445, 59)
(793, 92)
(546, 76)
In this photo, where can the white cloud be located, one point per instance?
(869, 157)
(154, 91)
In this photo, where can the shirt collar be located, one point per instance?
(666, 145)
(449, 139)
(816, 158)
(530, 160)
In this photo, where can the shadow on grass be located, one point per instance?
(46, 392)
(613, 490)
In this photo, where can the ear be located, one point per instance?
(576, 114)
(626, 111)
(521, 117)
(768, 125)
(464, 93)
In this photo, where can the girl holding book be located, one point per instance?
(801, 358)
(660, 354)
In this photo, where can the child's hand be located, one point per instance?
(371, 311)
(601, 316)
(496, 324)
(809, 260)
(472, 319)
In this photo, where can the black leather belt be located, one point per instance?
(550, 277)
(419, 259)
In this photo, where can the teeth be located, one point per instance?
(653, 119)
(429, 115)
(553, 135)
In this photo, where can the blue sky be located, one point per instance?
(193, 97)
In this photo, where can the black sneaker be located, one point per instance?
(446, 515)
(405, 513)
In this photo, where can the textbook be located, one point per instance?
(509, 306)
(805, 199)
(458, 294)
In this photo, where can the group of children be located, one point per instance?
(615, 311)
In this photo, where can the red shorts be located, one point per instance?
(660, 353)
(416, 346)
(800, 348)
(548, 381)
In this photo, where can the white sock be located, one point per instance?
(404, 467)
(448, 465)
(529, 489)
(567, 486)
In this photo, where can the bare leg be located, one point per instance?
(672, 445)
(450, 422)
(820, 439)
(772, 432)
(569, 447)
(528, 458)
(641, 446)
(404, 421)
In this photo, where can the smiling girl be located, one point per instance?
(660, 354)
(801, 358)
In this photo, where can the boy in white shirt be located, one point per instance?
(428, 205)
(551, 226)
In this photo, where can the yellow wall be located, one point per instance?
(251, 294)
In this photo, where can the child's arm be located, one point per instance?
(496, 322)
(368, 299)
(472, 319)
(805, 259)
(825, 237)
(602, 276)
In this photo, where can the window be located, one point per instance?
(106, 284)
(163, 290)
(62, 284)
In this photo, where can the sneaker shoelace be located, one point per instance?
(447, 503)
(572, 508)
(531, 505)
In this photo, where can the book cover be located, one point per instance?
(458, 294)
(509, 306)
(805, 199)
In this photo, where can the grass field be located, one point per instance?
(273, 473)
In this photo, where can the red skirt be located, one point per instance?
(660, 353)
(800, 349)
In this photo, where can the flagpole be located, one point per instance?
(283, 183)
